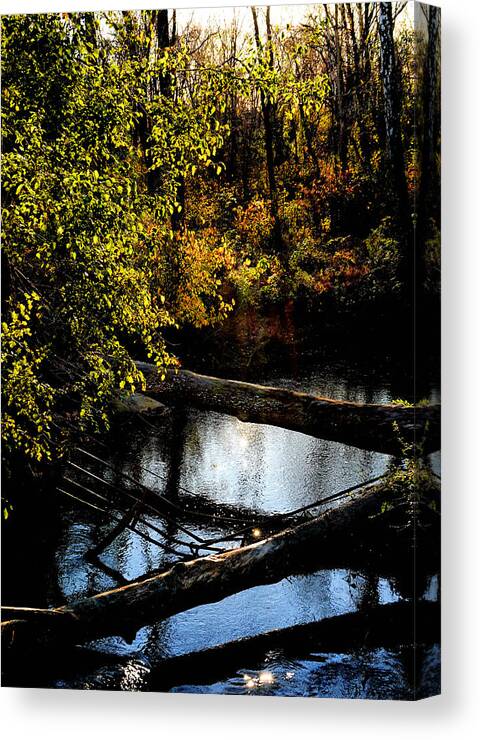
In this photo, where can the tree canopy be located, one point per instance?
(157, 177)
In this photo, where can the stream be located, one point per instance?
(266, 470)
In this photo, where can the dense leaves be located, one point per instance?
(84, 240)
(159, 176)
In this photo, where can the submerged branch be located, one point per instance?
(122, 611)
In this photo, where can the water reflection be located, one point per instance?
(264, 469)
(268, 469)
(373, 674)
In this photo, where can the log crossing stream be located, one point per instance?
(267, 469)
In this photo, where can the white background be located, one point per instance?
(91, 715)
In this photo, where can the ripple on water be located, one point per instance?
(267, 469)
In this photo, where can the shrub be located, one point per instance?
(382, 259)
(254, 224)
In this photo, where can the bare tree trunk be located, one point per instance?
(429, 113)
(395, 154)
(367, 426)
(205, 580)
(268, 126)
(166, 88)
(359, 29)
(309, 139)
(162, 33)
(233, 148)
(340, 95)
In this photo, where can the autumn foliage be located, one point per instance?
(159, 176)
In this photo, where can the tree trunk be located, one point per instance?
(381, 428)
(268, 113)
(163, 42)
(389, 625)
(122, 611)
(395, 156)
(429, 114)
(342, 133)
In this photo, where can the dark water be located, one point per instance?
(264, 470)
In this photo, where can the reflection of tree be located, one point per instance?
(224, 458)
(158, 641)
(177, 437)
(368, 596)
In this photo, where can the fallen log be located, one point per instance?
(123, 610)
(140, 404)
(378, 427)
(388, 625)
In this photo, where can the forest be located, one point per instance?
(207, 216)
